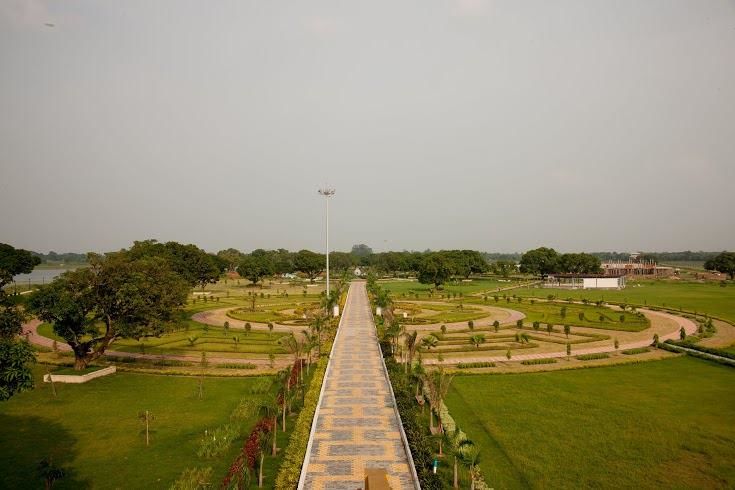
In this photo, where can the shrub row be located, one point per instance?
(234, 365)
(638, 350)
(701, 348)
(532, 362)
(591, 357)
(470, 365)
(419, 441)
(293, 458)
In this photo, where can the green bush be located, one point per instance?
(234, 365)
(533, 362)
(471, 365)
(217, 441)
(639, 350)
(706, 350)
(590, 357)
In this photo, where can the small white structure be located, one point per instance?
(585, 281)
(335, 311)
(358, 272)
(78, 378)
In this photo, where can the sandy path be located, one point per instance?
(30, 330)
(665, 324)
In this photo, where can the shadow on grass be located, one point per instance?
(26, 440)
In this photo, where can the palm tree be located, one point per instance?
(265, 439)
(477, 339)
(269, 409)
(437, 383)
(411, 346)
(456, 443)
(283, 378)
(470, 457)
(429, 342)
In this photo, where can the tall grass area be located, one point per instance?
(710, 298)
(652, 425)
(92, 430)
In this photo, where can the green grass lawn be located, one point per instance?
(551, 313)
(707, 297)
(92, 430)
(399, 288)
(214, 340)
(663, 424)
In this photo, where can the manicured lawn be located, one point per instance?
(92, 430)
(407, 287)
(214, 340)
(708, 297)
(663, 424)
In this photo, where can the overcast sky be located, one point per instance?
(492, 125)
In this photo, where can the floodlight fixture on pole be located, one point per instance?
(327, 192)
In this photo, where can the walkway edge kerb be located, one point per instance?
(404, 439)
(305, 464)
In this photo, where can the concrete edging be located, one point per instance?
(78, 379)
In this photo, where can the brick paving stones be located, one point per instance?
(357, 426)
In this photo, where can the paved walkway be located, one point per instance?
(357, 426)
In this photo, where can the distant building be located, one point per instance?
(636, 265)
(585, 281)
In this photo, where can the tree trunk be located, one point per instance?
(274, 449)
(80, 363)
(260, 471)
(455, 480)
(283, 411)
(431, 420)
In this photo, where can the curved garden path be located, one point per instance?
(506, 316)
(218, 317)
(655, 316)
(30, 330)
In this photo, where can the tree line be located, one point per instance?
(543, 261)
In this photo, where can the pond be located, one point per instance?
(39, 276)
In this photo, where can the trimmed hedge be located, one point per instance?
(533, 362)
(293, 457)
(591, 357)
(470, 365)
(639, 350)
(701, 348)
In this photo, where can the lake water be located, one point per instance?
(39, 276)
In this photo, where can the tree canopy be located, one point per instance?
(256, 266)
(193, 264)
(310, 263)
(724, 262)
(119, 295)
(16, 354)
(435, 269)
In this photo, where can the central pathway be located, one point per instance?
(357, 426)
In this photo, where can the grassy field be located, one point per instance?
(552, 313)
(92, 430)
(649, 425)
(402, 289)
(708, 297)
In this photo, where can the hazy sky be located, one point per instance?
(493, 125)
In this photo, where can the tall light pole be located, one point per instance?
(327, 193)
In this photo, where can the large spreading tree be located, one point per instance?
(16, 354)
(435, 269)
(118, 296)
(192, 263)
(724, 262)
(310, 263)
(255, 267)
(540, 261)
